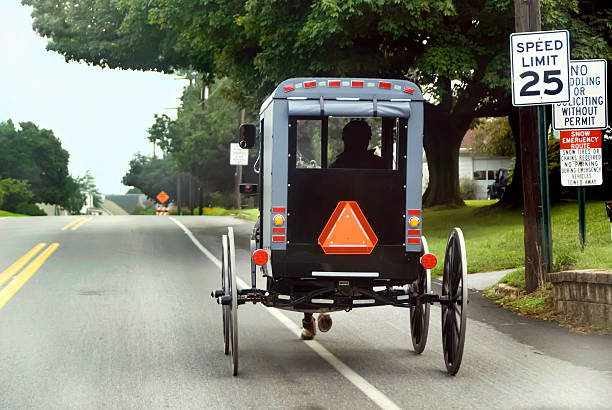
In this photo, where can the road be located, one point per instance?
(119, 316)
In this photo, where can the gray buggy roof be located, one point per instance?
(362, 88)
(347, 96)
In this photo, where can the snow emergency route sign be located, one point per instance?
(540, 67)
(580, 157)
(588, 106)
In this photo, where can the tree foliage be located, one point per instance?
(152, 175)
(457, 51)
(35, 155)
(14, 192)
(87, 183)
(493, 136)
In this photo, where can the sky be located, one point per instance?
(101, 116)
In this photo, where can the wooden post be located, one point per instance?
(238, 173)
(527, 18)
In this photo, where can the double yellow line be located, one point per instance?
(18, 281)
(77, 223)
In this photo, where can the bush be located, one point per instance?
(467, 188)
(14, 192)
(220, 199)
(29, 209)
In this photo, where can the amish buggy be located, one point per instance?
(343, 230)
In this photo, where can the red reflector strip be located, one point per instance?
(310, 84)
(414, 232)
(278, 230)
(414, 212)
(278, 210)
(289, 87)
(333, 83)
(409, 90)
(356, 83)
(278, 239)
(414, 240)
(386, 86)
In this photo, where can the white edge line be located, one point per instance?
(362, 384)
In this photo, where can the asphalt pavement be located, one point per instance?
(118, 315)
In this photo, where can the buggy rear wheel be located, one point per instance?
(419, 314)
(225, 309)
(233, 311)
(454, 307)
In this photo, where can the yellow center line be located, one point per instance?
(77, 226)
(15, 267)
(69, 224)
(9, 290)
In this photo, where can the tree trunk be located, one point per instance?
(442, 144)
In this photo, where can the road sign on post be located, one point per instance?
(238, 156)
(162, 197)
(540, 67)
(580, 158)
(587, 107)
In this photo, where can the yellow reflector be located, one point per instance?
(414, 221)
(278, 220)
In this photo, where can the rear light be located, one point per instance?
(333, 83)
(357, 84)
(385, 85)
(289, 87)
(278, 220)
(409, 90)
(429, 261)
(414, 221)
(414, 212)
(310, 84)
(260, 257)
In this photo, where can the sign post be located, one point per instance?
(584, 114)
(540, 75)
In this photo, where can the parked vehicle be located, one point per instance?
(498, 188)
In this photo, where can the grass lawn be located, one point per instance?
(248, 214)
(494, 239)
(7, 213)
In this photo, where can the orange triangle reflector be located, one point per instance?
(347, 231)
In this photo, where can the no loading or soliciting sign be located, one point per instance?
(587, 107)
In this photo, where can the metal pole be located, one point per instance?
(546, 226)
(238, 173)
(581, 216)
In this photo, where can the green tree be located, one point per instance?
(161, 132)
(456, 50)
(87, 183)
(35, 155)
(493, 136)
(14, 192)
(152, 175)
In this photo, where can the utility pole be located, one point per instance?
(528, 18)
(238, 173)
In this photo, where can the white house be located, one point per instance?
(476, 166)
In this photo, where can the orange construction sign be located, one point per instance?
(347, 231)
(162, 197)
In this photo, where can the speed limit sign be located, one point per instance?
(540, 67)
